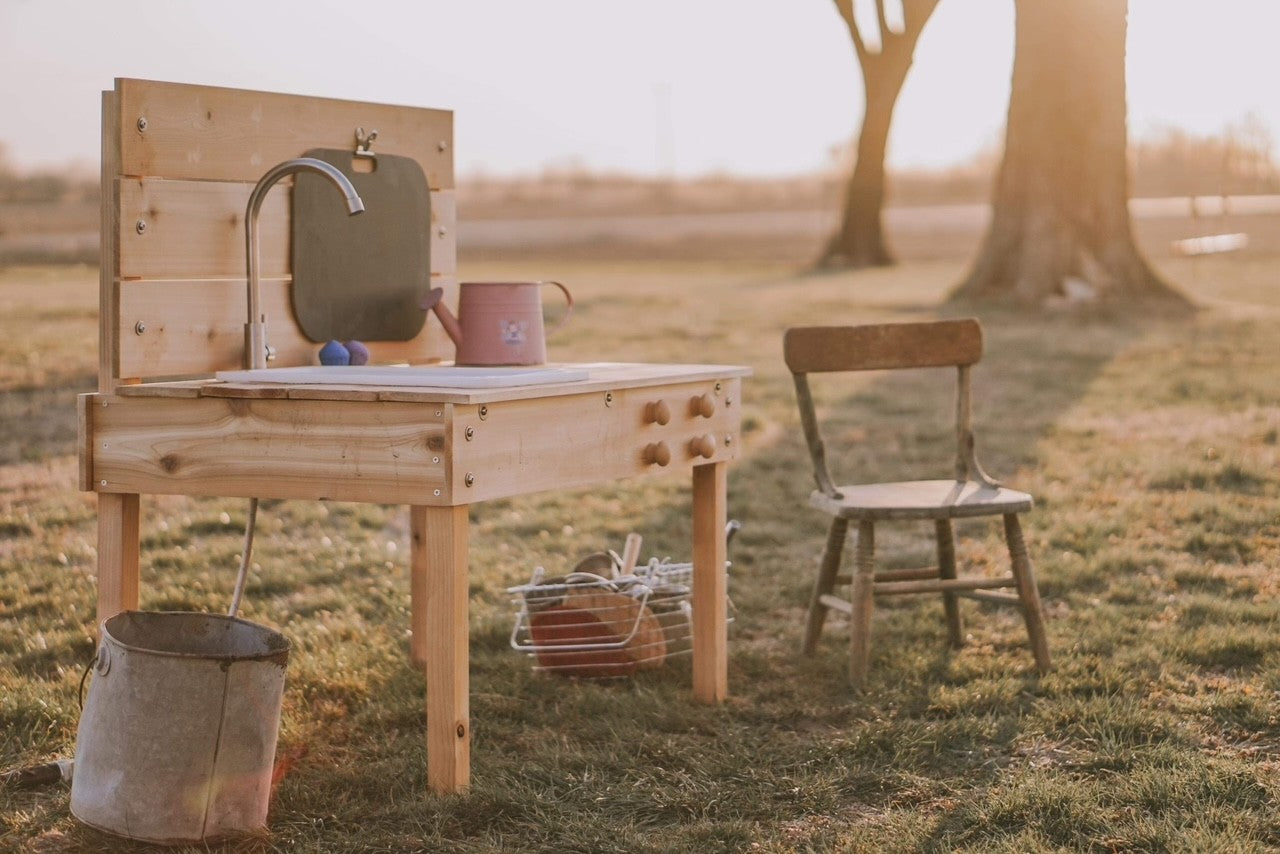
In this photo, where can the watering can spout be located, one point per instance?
(434, 301)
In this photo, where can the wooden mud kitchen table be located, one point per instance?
(180, 163)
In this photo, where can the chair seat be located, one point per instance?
(921, 499)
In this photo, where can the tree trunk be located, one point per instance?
(1060, 226)
(860, 240)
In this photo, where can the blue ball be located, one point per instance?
(334, 353)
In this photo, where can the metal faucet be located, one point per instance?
(255, 331)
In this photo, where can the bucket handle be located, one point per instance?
(568, 297)
(101, 662)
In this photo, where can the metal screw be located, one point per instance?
(139, 328)
(435, 459)
(469, 479)
(103, 482)
(442, 145)
(141, 226)
(471, 432)
(728, 440)
(436, 493)
(438, 413)
(142, 123)
(442, 231)
(104, 446)
(717, 388)
(484, 412)
(608, 398)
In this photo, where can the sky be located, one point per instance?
(683, 87)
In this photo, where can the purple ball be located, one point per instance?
(334, 353)
(359, 352)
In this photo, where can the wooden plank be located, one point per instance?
(118, 525)
(84, 435)
(444, 234)
(524, 446)
(602, 377)
(176, 130)
(440, 640)
(882, 346)
(109, 247)
(710, 632)
(317, 449)
(169, 389)
(196, 327)
(195, 229)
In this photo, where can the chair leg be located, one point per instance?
(1026, 580)
(947, 569)
(825, 584)
(863, 597)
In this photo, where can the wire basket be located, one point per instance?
(587, 625)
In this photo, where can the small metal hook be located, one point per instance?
(364, 143)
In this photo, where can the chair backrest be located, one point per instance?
(885, 346)
(882, 346)
(178, 165)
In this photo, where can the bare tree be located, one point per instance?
(1060, 217)
(860, 240)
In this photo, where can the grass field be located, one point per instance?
(1150, 442)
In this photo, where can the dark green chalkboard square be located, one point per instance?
(361, 276)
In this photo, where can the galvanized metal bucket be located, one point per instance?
(178, 734)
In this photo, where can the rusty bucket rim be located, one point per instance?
(279, 655)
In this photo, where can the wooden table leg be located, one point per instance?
(118, 523)
(710, 614)
(438, 586)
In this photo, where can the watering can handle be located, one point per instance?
(568, 297)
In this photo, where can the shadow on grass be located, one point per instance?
(964, 709)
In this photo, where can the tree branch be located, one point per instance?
(883, 22)
(845, 8)
(915, 14)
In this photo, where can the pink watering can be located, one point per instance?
(498, 323)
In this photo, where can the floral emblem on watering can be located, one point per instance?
(513, 332)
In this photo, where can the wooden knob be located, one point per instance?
(703, 404)
(657, 453)
(703, 446)
(657, 412)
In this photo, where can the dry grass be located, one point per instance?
(1151, 444)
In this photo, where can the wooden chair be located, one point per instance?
(891, 346)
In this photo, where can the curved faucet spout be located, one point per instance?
(255, 334)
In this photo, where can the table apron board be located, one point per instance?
(412, 452)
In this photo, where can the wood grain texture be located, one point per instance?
(710, 584)
(219, 134)
(524, 446)
(196, 327)
(84, 436)
(882, 346)
(440, 636)
(118, 528)
(195, 229)
(921, 499)
(109, 249)
(179, 163)
(348, 451)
